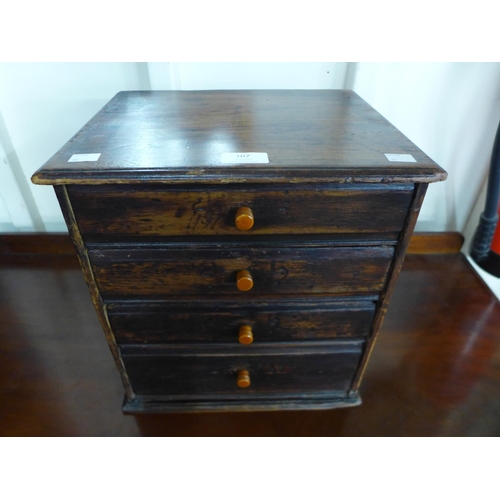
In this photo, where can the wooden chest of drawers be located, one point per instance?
(240, 247)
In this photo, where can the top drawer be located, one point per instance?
(125, 211)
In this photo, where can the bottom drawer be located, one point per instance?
(212, 373)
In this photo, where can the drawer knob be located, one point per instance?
(245, 336)
(244, 218)
(244, 281)
(243, 378)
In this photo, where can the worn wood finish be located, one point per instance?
(83, 258)
(396, 265)
(127, 211)
(218, 321)
(309, 135)
(331, 220)
(276, 372)
(203, 272)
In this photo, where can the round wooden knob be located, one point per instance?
(244, 218)
(243, 378)
(245, 335)
(244, 281)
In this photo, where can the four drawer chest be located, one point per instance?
(240, 247)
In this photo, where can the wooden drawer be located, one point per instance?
(215, 322)
(204, 373)
(210, 271)
(107, 212)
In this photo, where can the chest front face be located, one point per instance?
(240, 246)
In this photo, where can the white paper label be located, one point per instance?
(84, 157)
(403, 158)
(244, 158)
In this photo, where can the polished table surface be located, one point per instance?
(435, 370)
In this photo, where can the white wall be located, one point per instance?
(449, 110)
(209, 76)
(42, 105)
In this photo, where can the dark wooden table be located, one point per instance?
(435, 370)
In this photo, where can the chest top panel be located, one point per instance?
(181, 136)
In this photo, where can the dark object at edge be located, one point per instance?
(481, 243)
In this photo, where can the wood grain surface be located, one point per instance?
(275, 371)
(176, 136)
(129, 235)
(219, 321)
(128, 211)
(197, 271)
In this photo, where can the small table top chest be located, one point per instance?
(240, 247)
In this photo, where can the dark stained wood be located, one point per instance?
(201, 272)
(175, 136)
(432, 374)
(396, 265)
(163, 227)
(449, 242)
(131, 212)
(157, 404)
(276, 371)
(83, 258)
(217, 321)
